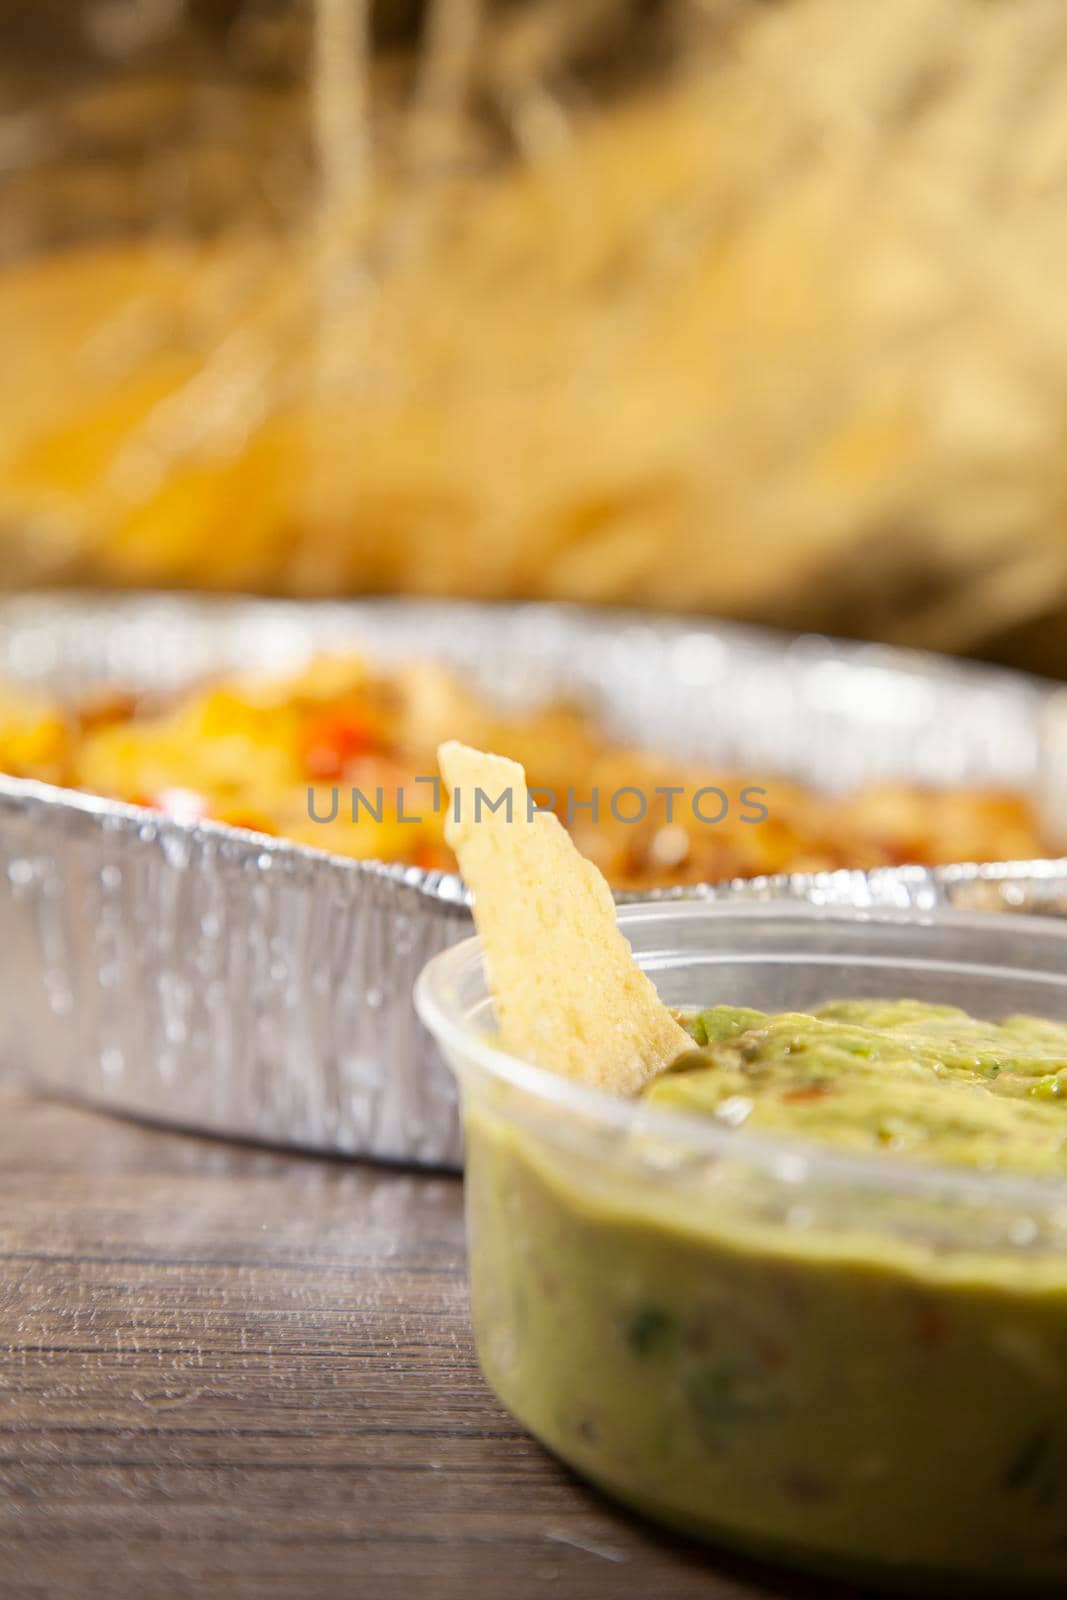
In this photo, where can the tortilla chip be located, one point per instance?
(568, 993)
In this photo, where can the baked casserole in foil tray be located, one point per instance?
(238, 984)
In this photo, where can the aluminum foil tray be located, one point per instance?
(222, 981)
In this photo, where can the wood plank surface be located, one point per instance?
(230, 1372)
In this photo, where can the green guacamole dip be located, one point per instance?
(898, 1075)
(869, 1383)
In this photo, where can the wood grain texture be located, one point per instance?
(227, 1372)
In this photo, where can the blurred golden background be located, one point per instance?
(746, 307)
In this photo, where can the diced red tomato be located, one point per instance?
(434, 857)
(330, 740)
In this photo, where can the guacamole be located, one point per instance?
(920, 1080)
(862, 1380)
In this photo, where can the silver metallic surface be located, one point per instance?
(208, 977)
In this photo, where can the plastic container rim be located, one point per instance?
(789, 1159)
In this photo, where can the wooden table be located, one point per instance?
(230, 1372)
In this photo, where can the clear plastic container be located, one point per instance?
(853, 1363)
